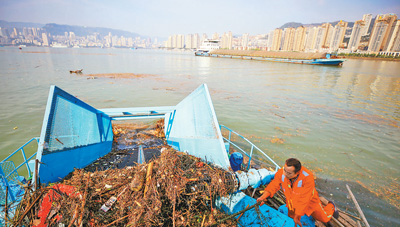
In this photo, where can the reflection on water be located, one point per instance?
(341, 122)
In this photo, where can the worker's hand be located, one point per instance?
(262, 198)
(297, 221)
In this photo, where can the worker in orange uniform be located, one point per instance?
(302, 198)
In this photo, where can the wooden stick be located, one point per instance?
(337, 222)
(112, 223)
(6, 208)
(204, 218)
(357, 206)
(241, 214)
(36, 173)
(348, 214)
(235, 214)
(84, 200)
(27, 210)
(148, 177)
(75, 216)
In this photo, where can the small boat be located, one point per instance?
(79, 71)
(59, 45)
(207, 46)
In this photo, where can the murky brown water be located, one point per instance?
(341, 122)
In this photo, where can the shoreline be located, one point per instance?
(371, 58)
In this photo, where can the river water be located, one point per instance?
(341, 122)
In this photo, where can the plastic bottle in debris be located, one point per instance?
(106, 206)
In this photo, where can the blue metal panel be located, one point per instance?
(260, 216)
(195, 128)
(137, 112)
(74, 134)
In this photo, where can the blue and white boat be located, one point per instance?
(75, 134)
(327, 60)
(207, 46)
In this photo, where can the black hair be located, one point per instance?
(294, 162)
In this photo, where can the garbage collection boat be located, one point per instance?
(74, 135)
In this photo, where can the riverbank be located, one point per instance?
(372, 58)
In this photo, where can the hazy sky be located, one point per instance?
(166, 17)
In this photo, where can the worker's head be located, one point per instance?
(291, 168)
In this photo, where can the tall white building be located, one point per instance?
(288, 39)
(215, 36)
(394, 43)
(245, 40)
(226, 40)
(356, 33)
(310, 38)
(319, 38)
(196, 41)
(338, 35)
(381, 32)
(45, 39)
(189, 41)
(276, 40)
(299, 39)
(367, 18)
(180, 41)
(270, 39)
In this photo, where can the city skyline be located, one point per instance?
(162, 18)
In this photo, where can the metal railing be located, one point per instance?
(250, 156)
(11, 170)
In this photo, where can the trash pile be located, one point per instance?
(174, 189)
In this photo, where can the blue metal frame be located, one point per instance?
(243, 151)
(118, 114)
(62, 159)
(25, 162)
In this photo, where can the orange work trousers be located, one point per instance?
(323, 214)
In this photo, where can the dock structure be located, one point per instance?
(270, 54)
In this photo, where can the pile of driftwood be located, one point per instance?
(270, 54)
(175, 189)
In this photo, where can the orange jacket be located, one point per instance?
(301, 197)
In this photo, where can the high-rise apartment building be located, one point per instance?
(215, 36)
(320, 36)
(381, 32)
(196, 41)
(288, 39)
(270, 39)
(227, 40)
(245, 40)
(327, 38)
(276, 40)
(180, 41)
(356, 33)
(71, 36)
(310, 38)
(189, 41)
(367, 18)
(299, 39)
(394, 43)
(45, 39)
(230, 40)
(338, 35)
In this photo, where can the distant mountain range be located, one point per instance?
(57, 29)
(297, 24)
